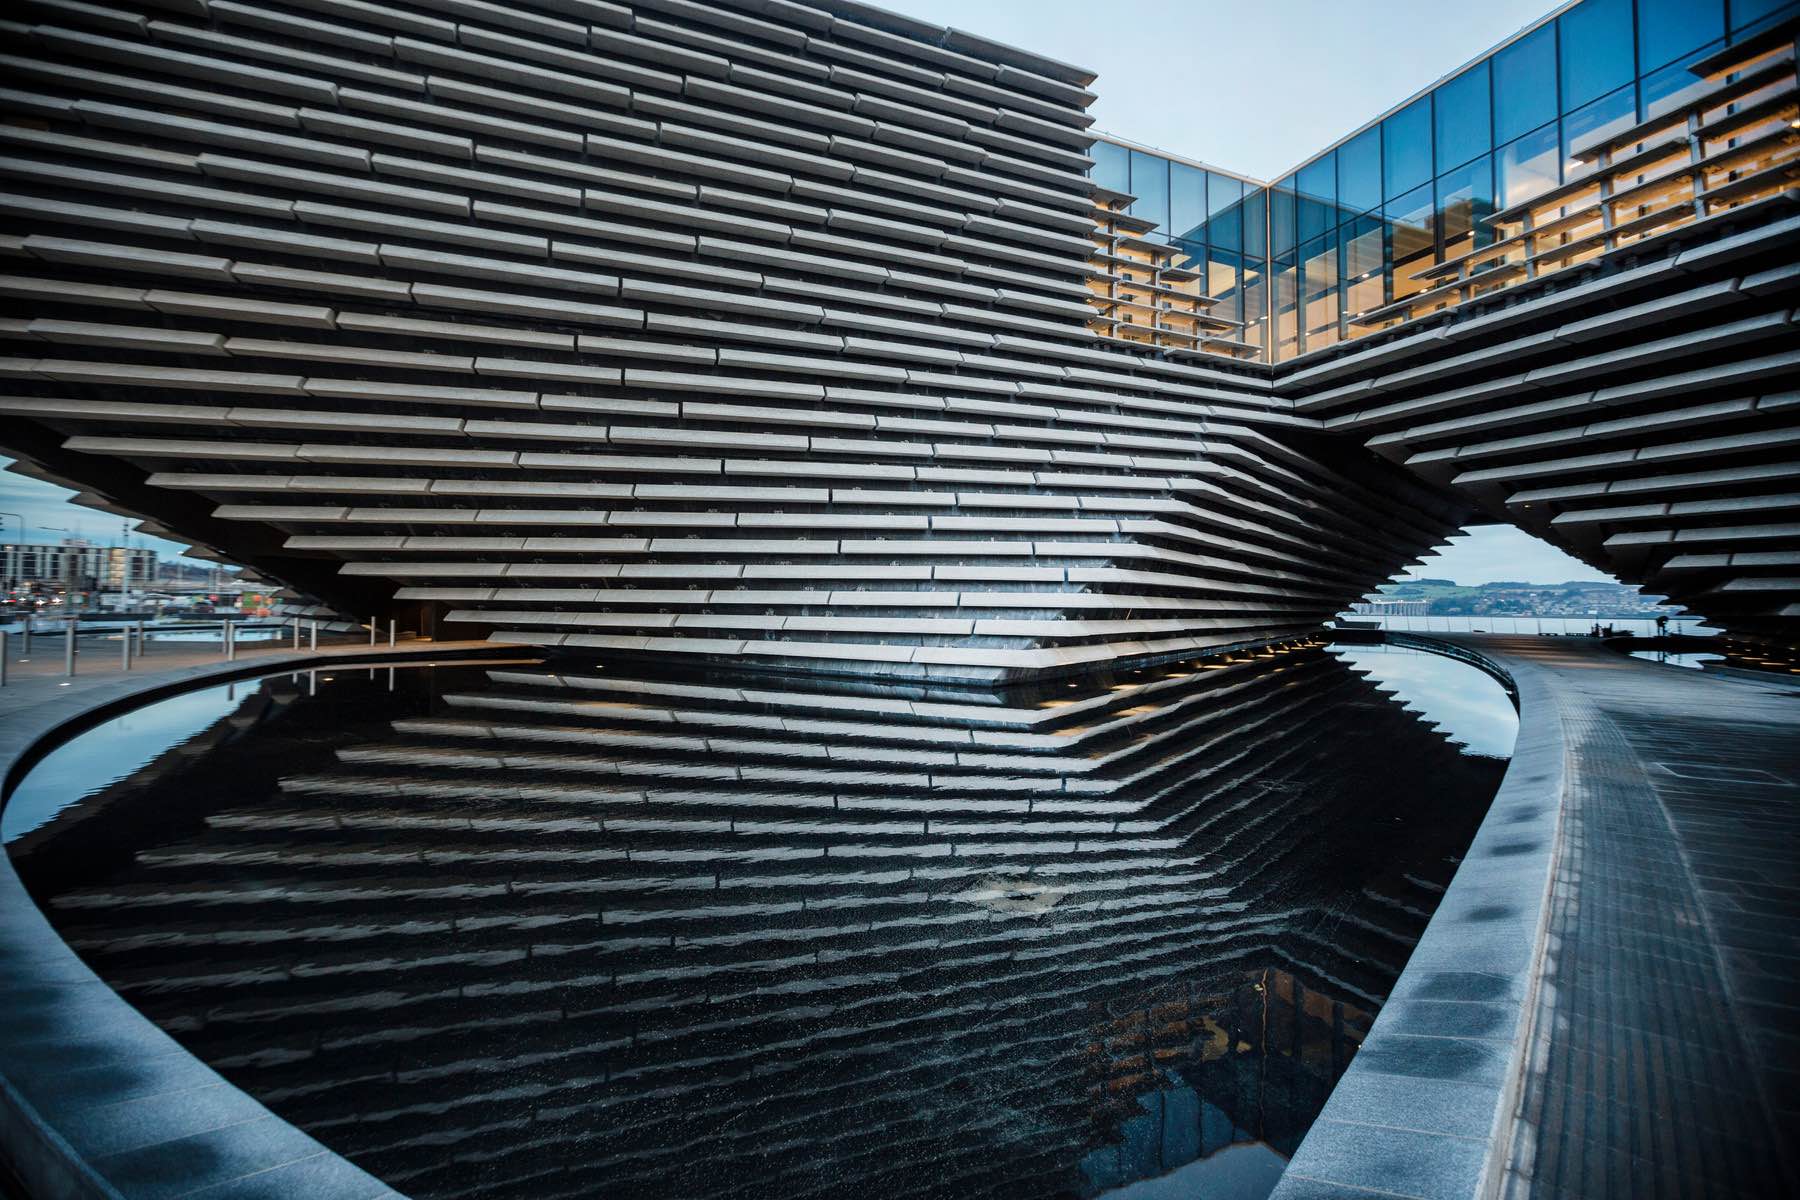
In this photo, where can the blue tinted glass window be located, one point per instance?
(1412, 240)
(1284, 284)
(1462, 117)
(1525, 84)
(1224, 281)
(1465, 199)
(1359, 172)
(1317, 180)
(1225, 209)
(1406, 147)
(1319, 291)
(1112, 166)
(1191, 256)
(1256, 206)
(1365, 282)
(1596, 56)
(1592, 124)
(1187, 201)
(1668, 29)
(1314, 216)
(1222, 192)
(1673, 85)
(1226, 229)
(1749, 12)
(1281, 217)
(1150, 184)
(1362, 247)
(1412, 210)
(1316, 186)
(1528, 167)
(1256, 301)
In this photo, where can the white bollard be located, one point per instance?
(313, 637)
(140, 639)
(125, 649)
(296, 633)
(374, 623)
(393, 632)
(69, 648)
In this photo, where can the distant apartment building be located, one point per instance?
(73, 563)
(1391, 607)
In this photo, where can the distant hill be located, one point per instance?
(1572, 598)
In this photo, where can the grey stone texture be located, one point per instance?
(749, 238)
(751, 226)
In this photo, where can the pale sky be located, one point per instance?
(1254, 88)
(49, 517)
(1489, 553)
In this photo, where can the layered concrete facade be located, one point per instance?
(1644, 418)
(747, 329)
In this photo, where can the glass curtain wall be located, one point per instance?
(1216, 220)
(1314, 258)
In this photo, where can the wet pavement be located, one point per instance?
(1665, 1054)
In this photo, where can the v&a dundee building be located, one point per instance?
(823, 338)
(871, 538)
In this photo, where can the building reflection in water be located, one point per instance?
(522, 932)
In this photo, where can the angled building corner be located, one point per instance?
(701, 329)
(1614, 368)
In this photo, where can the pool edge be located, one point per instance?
(87, 1083)
(1426, 1107)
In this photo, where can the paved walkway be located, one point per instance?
(1665, 1049)
(1605, 1003)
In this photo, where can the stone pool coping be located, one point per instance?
(96, 1102)
(1425, 1109)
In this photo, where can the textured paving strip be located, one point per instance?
(1604, 1004)
(1665, 1052)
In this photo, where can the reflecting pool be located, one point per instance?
(539, 930)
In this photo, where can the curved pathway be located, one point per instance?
(1665, 1050)
(1607, 1002)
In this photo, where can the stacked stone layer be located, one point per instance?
(1645, 417)
(743, 329)
(757, 331)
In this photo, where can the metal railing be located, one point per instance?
(32, 636)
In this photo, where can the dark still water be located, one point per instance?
(572, 930)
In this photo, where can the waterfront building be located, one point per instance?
(820, 337)
(76, 564)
